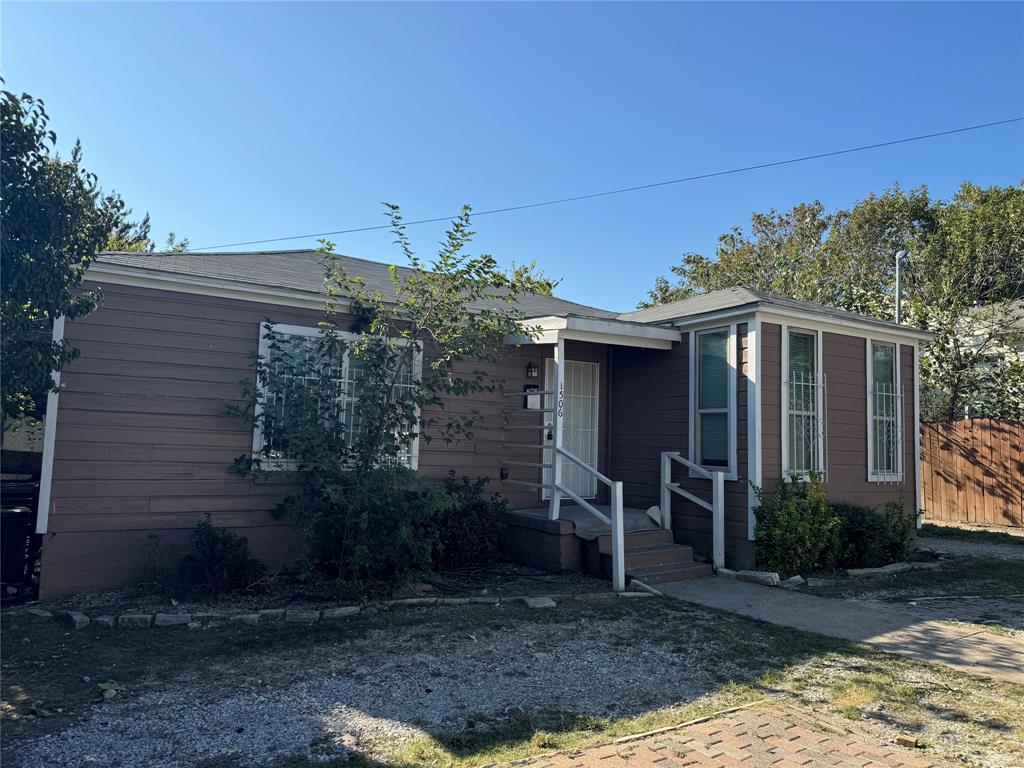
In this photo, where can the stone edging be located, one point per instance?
(771, 579)
(216, 618)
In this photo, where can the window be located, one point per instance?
(885, 406)
(713, 394)
(804, 400)
(294, 357)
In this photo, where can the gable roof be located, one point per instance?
(300, 270)
(695, 307)
(290, 271)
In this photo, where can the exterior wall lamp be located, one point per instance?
(532, 371)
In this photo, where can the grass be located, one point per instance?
(968, 534)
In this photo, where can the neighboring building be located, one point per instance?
(138, 442)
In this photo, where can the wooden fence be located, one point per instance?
(972, 471)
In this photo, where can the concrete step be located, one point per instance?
(666, 573)
(636, 539)
(662, 554)
(652, 557)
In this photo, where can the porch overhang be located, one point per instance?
(623, 333)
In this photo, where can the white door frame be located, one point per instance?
(549, 385)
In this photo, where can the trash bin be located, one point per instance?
(15, 543)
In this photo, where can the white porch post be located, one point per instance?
(718, 518)
(666, 494)
(556, 456)
(618, 539)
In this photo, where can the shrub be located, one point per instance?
(870, 538)
(466, 533)
(796, 528)
(220, 561)
(368, 529)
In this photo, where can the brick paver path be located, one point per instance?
(771, 736)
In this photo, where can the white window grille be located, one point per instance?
(295, 361)
(885, 409)
(804, 399)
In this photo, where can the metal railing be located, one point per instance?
(806, 425)
(556, 487)
(716, 506)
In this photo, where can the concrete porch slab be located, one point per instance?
(589, 527)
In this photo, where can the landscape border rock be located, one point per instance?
(214, 618)
(891, 568)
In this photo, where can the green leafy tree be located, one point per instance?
(405, 353)
(55, 220)
(54, 223)
(964, 271)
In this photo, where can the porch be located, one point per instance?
(560, 459)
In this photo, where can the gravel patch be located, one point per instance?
(968, 548)
(388, 688)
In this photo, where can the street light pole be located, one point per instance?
(900, 256)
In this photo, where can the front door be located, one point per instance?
(579, 425)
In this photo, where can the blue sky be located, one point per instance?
(242, 121)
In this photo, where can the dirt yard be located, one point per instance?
(979, 582)
(457, 685)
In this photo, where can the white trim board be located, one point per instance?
(49, 440)
(753, 423)
(206, 286)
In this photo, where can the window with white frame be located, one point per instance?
(300, 370)
(804, 401)
(715, 403)
(885, 434)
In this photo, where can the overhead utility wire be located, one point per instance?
(637, 188)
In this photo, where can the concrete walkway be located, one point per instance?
(893, 631)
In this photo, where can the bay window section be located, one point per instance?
(885, 406)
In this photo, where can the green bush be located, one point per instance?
(368, 530)
(870, 538)
(220, 562)
(466, 533)
(376, 530)
(796, 528)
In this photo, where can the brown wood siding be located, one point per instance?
(650, 414)
(143, 444)
(844, 360)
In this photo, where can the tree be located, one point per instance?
(963, 272)
(404, 354)
(55, 220)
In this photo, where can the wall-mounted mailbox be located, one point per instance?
(531, 401)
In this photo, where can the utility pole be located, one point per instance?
(901, 254)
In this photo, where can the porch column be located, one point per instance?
(556, 456)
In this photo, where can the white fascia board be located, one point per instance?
(138, 277)
(813, 321)
(714, 318)
(599, 331)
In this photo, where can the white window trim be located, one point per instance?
(873, 476)
(731, 352)
(820, 415)
(284, 465)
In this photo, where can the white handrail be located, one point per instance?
(583, 465)
(716, 506)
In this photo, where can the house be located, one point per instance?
(670, 415)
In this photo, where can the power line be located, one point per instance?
(637, 188)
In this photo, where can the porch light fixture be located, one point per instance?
(532, 371)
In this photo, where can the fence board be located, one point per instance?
(972, 471)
